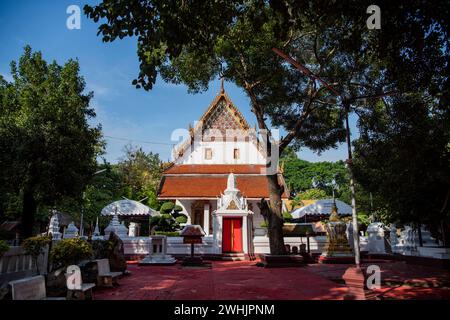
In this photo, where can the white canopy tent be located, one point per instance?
(128, 207)
(321, 207)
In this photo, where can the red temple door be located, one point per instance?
(232, 235)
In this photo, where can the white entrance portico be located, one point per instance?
(233, 223)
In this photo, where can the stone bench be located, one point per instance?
(105, 277)
(76, 289)
(83, 293)
(32, 288)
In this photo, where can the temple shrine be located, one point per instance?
(218, 178)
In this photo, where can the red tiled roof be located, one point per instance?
(212, 186)
(215, 169)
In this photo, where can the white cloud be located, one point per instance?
(98, 89)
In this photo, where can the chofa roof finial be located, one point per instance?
(222, 90)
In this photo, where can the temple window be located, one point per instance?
(208, 153)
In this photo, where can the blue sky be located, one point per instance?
(127, 114)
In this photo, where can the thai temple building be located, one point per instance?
(218, 178)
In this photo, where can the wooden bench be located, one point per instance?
(32, 288)
(105, 277)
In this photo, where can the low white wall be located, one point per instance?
(316, 244)
(175, 245)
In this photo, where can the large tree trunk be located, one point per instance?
(275, 217)
(29, 209)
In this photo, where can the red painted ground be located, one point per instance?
(243, 280)
(399, 280)
(223, 280)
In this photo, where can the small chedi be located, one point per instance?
(337, 248)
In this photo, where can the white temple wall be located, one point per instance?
(223, 153)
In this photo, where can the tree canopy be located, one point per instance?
(47, 148)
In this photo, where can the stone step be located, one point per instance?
(233, 256)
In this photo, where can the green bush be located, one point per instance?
(167, 207)
(3, 247)
(287, 216)
(166, 216)
(181, 219)
(168, 233)
(177, 209)
(35, 246)
(70, 251)
(164, 222)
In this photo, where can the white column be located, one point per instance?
(244, 234)
(217, 233)
(206, 218)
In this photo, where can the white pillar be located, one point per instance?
(206, 218)
(244, 234)
(217, 233)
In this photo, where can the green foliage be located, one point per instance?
(299, 175)
(403, 158)
(4, 247)
(48, 149)
(140, 175)
(167, 207)
(364, 219)
(70, 251)
(35, 246)
(168, 233)
(313, 194)
(164, 222)
(177, 209)
(287, 217)
(181, 219)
